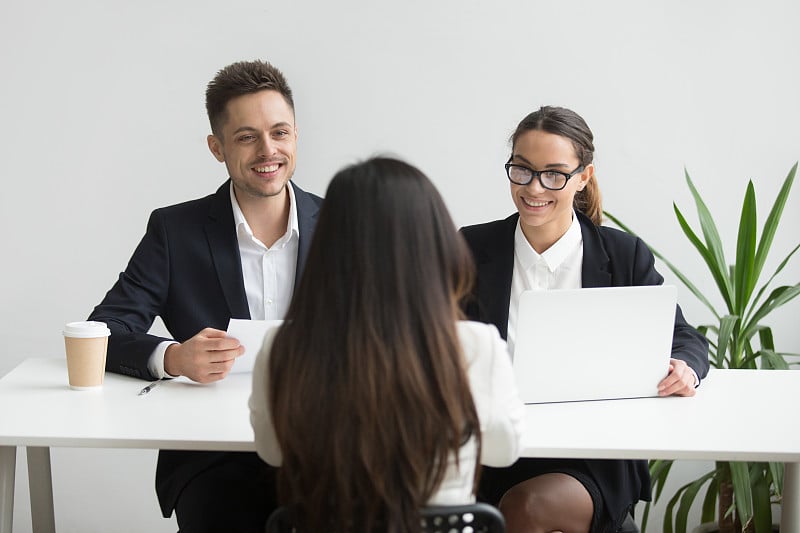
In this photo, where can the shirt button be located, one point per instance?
(269, 301)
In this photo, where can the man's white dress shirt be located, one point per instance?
(269, 273)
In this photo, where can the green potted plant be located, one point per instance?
(738, 495)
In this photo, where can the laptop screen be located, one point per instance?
(593, 343)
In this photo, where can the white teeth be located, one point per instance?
(271, 168)
(534, 204)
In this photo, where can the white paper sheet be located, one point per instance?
(250, 334)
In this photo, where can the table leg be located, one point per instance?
(790, 508)
(8, 465)
(41, 488)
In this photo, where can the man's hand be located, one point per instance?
(679, 381)
(206, 357)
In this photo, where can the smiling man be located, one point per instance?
(233, 254)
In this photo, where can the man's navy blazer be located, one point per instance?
(611, 258)
(188, 271)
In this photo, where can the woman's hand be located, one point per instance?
(680, 381)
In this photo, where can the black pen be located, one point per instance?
(150, 387)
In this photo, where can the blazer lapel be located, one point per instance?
(495, 268)
(224, 248)
(595, 271)
(307, 211)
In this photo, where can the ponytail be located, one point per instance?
(589, 201)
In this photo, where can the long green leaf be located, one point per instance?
(772, 360)
(755, 301)
(769, 358)
(713, 241)
(718, 273)
(748, 357)
(668, 528)
(659, 470)
(709, 509)
(762, 509)
(776, 299)
(765, 338)
(645, 516)
(776, 473)
(683, 279)
(676, 498)
(742, 495)
(726, 326)
(744, 280)
(771, 224)
(689, 495)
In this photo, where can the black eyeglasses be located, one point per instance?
(550, 179)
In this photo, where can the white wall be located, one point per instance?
(102, 107)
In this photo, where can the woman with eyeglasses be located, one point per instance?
(555, 241)
(374, 397)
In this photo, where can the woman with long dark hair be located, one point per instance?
(373, 397)
(555, 241)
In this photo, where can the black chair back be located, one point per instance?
(468, 518)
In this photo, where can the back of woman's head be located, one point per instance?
(370, 396)
(385, 229)
(567, 123)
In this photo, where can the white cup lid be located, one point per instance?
(86, 330)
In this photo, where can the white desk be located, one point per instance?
(708, 426)
(38, 410)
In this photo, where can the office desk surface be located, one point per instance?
(39, 409)
(736, 415)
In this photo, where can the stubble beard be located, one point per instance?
(255, 192)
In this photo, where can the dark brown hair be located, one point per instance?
(370, 396)
(237, 79)
(567, 123)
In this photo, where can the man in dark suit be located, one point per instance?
(236, 253)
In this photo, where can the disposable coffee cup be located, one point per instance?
(86, 344)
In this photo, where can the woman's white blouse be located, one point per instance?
(558, 267)
(494, 391)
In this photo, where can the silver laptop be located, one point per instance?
(593, 344)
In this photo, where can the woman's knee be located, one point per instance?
(547, 503)
(527, 502)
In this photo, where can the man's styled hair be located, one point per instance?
(237, 79)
